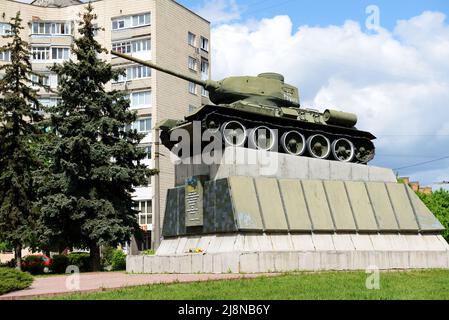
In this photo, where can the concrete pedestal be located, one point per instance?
(289, 213)
(282, 253)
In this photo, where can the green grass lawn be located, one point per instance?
(427, 284)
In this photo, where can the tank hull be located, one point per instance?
(306, 127)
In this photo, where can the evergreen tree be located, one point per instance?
(95, 162)
(19, 113)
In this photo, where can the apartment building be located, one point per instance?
(162, 31)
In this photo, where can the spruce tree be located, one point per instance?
(94, 161)
(19, 114)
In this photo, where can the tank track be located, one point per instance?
(341, 147)
(360, 155)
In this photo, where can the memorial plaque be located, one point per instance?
(194, 202)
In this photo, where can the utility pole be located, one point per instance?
(156, 234)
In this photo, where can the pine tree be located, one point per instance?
(95, 162)
(19, 114)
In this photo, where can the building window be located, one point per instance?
(5, 28)
(145, 212)
(47, 53)
(192, 108)
(48, 102)
(141, 45)
(142, 125)
(192, 88)
(204, 44)
(48, 79)
(131, 21)
(60, 53)
(135, 72)
(51, 28)
(132, 46)
(40, 53)
(39, 80)
(96, 29)
(147, 149)
(204, 69)
(5, 56)
(191, 39)
(140, 99)
(122, 47)
(192, 63)
(204, 92)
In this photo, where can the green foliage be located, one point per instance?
(79, 259)
(438, 204)
(86, 188)
(60, 263)
(19, 113)
(5, 246)
(118, 260)
(33, 264)
(148, 252)
(106, 259)
(12, 280)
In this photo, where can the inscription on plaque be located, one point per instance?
(194, 202)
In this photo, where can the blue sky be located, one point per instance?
(395, 78)
(326, 12)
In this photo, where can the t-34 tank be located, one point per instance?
(264, 112)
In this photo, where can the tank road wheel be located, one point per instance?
(293, 143)
(263, 138)
(319, 146)
(234, 133)
(343, 150)
(213, 124)
(364, 151)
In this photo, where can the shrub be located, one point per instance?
(118, 260)
(80, 259)
(12, 280)
(438, 204)
(33, 264)
(106, 258)
(60, 263)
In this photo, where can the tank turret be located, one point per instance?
(265, 89)
(264, 112)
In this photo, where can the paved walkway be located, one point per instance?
(55, 285)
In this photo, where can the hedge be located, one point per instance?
(80, 259)
(118, 260)
(13, 279)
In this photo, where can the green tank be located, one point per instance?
(264, 112)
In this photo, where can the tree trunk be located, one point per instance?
(95, 257)
(18, 256)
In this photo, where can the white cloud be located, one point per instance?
(220, 11)
(396, 81)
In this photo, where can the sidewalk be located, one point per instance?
(55, 285)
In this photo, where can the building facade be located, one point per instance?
(162, 31)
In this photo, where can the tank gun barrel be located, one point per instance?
(208, 84)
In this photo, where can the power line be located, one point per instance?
(413, 135)
(405, 156)
(421, 163)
